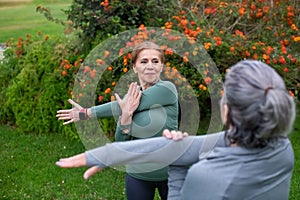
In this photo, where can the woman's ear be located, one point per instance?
(134, 69)
(224, 113)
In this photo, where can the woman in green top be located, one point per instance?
(156, 109)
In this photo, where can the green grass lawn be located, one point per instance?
(20, 18)
(295, 139)
(28, 169)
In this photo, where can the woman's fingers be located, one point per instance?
(72, 162)
(70, 121)
(91, 171)
(167, 134)
(64, 111)
(174, 135)
(69, 114)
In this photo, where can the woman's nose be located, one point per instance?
(150, 65)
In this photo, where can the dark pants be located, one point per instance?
(137, 189)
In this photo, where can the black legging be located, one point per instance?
(137, 189)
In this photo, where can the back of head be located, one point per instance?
(260, 108)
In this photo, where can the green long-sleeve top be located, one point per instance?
(158, 110)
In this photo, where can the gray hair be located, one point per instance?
(260, 107)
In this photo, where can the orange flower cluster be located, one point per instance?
(105, 4)
(66, 66)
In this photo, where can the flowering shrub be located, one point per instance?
(32, 86)
(232, 31)
(227, 31)
(98, 20)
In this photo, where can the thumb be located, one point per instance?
(118, 98)
(90, 172)
(76, 105)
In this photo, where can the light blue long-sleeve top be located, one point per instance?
(217, 171)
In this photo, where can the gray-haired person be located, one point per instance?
(252, 159)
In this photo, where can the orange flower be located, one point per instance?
(286, 70)
(294, 27)
(283, 49)
(99, 62)
(266, 9)
(169, 25)
(207, 80)
(125, 61)
(76, 64)
(297, 39)
(106, 53)
(231, 49)
(242, 11)
(109, 68)
(184, 22)
(282, 60)
(93, 73)
(291, 93)
(169, 51)
(185, 59)
(252, 7)
(207, 45)
(108, 90)
(255, 56)
(67, 66)
(259, 14)
(121, 52)
(266, 57)
(125, 69)
(100, 98)
(113, 83)
(64, 73)
(86, 69)
(247, 53)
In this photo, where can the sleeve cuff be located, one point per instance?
(126, 129)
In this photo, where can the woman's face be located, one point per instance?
(148, 67)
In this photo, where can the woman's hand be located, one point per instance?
(71, 114)
(78, 161)
(174, 135)
(129, 103)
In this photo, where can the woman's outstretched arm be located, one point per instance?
(153, 150)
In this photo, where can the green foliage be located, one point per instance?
(243, 33)
(32, 88)
(100, 20)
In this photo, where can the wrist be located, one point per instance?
(83, 115)
(125, 120)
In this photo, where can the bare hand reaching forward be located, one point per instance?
(72, 115)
